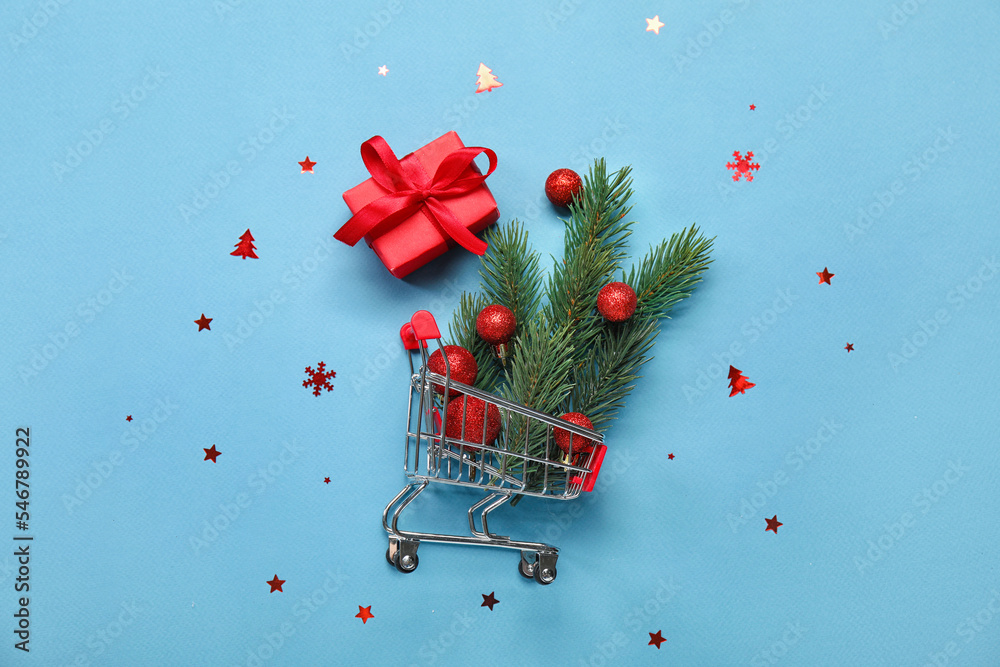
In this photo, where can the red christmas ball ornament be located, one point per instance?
(476, 416)
(463, 366)
(581, 445)
(495, 324)
(616, 302)
(562, 185)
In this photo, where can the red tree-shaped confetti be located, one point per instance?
(743, 166)
(245, 247)
(738, 382)
(487, 80)
(319, 378)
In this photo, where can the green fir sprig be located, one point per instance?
(564, 356)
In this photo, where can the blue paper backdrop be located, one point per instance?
(142, 140)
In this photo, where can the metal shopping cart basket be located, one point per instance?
(523, 460)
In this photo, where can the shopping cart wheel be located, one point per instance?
(393, 547)
(545, 569)
(526, 568)
(545, 576)
(405, 558)
(407, 563)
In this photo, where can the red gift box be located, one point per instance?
(414, 209)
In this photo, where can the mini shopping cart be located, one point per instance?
(523, 460)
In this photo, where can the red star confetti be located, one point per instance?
(487, 80)
(383, 70)
(671, 457)
(276, 584)
(824, 276)
(307, 166)
(319, 378)
(489, 600)
(752, 107)
(203, 322)
(211, 454)
(245, 247)
(738, 382)
(849, 348)
(743, 166)
(129, 418)
(654, 24)
(326, 480)
(364, 613)
(656, 639)
(772, 524)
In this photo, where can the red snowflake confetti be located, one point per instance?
(743, 166)
(245, 247)
(824, 276)
(738, 382)
(326, 480)
(671, 457)
(849, 348)
(772, 524)
(319, 378)
(656, 639)
(203, 322)
(489, 600)
(307, 166)
(276, 584)
(129, 418)
(364, 613)
(211, 454)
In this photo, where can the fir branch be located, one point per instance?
(511, 275)
(664, 277)
(595, 245)
(606, 380)
(670, 272)
(539, 376)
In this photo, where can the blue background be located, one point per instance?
(866, 570)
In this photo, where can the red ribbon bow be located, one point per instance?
(410, 189)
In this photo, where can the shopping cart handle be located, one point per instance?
(409, 340)
(424, 326)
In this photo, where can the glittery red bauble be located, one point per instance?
(462, 363)
(616, 302)
(562, 185)
(496, 324)
(476, 413)
(580, 444)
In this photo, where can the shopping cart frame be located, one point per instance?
(468, 462)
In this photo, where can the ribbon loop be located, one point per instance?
(410, 189)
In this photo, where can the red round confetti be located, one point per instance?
(476, 415)
(562, 185)
(496, 324)
(463, 366)
(616, 302)
(580, 443)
